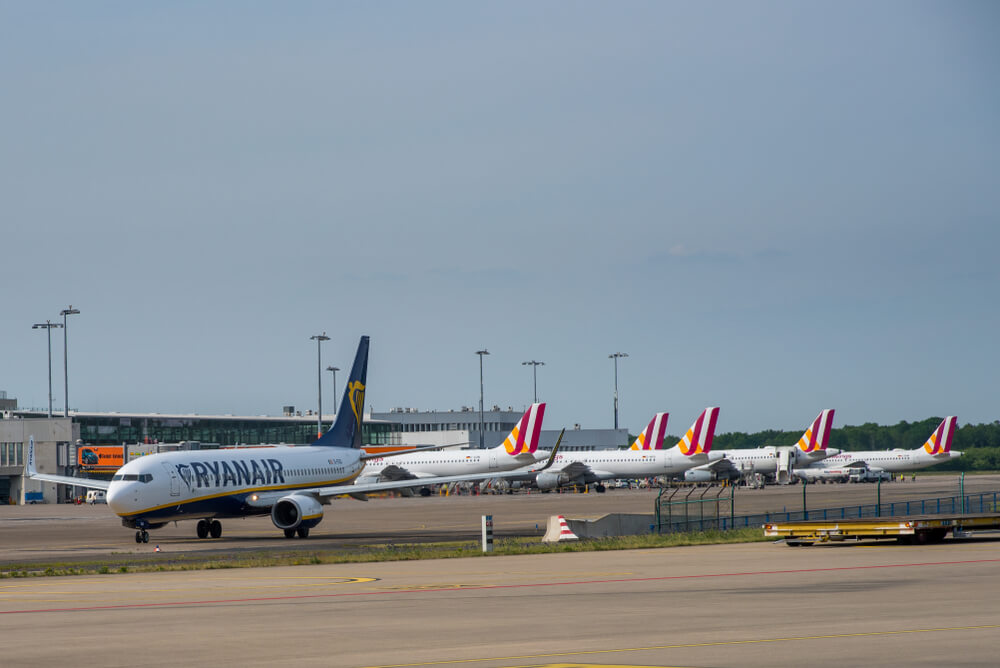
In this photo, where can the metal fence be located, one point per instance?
(703, 514)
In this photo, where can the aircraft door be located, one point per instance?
(175, 486)
(494, 464)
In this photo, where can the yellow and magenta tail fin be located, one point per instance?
(524, 437)
(817, 436)
(651, 437)
(940, 441)
(698, 439)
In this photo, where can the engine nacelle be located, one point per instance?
(296, 510)
(699, 475)
(548, 481)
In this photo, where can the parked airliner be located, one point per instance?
(517, 450)
(582, 468)
(935, 450)
(811, 447)
(290, 483)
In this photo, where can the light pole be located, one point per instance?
(615, 357)
(481, 353)
(319, 338)
(66, 312)
(334, 370)
(534, 374)
(48, 325)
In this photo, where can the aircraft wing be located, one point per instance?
(422, 448)
(584, 474)
(366, 488)
(719, 466)
(59, 479)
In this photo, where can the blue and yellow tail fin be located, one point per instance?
(346, 429)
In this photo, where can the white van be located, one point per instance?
(97, 496)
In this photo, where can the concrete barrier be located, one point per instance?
(613, 524)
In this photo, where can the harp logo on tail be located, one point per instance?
(356, 393)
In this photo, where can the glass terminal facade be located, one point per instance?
(114, 429)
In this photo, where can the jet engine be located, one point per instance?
(548, 481)
(699, 475)
(296, 511)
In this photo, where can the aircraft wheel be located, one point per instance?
(215, 528)
(145, 536)
(289, 533)
(599, 488)
(202, 529)
(138, 536)
(303, 532)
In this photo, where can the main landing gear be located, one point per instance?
(302, 531)
(208, 528)
(142, 536)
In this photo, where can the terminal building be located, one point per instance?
(96, 444)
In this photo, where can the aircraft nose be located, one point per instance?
(116, 498)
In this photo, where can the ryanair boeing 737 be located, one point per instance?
(292, 484)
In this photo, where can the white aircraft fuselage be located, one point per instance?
(156, 489)
(893, 461)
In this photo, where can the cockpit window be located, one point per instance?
(140, 477)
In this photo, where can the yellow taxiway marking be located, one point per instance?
(720, 643)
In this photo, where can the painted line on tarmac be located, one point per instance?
(386, 592)
(720, 643)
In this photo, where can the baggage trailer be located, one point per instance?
(919, 529)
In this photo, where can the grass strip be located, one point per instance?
(370, 553)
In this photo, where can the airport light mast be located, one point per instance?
(534, 374)
(319, 338)
(334, 370)
(64, 313)
(481, 353)
(615, 357)
(48, 325)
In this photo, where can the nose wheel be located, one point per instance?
(142, 536)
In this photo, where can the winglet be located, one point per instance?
(30, 466)
(698, 438)
(552, 455)
(523, 438)
(817, 435)
(346, 431)
(940, 441)
(651, 437)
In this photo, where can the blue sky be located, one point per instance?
(773, 207)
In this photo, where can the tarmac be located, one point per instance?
(758, 604)
(730, 605)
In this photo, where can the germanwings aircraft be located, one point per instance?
(582, 468)
(290, 483)
(517, 450)
(935, 450)
(651, 437)
(810, 448)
